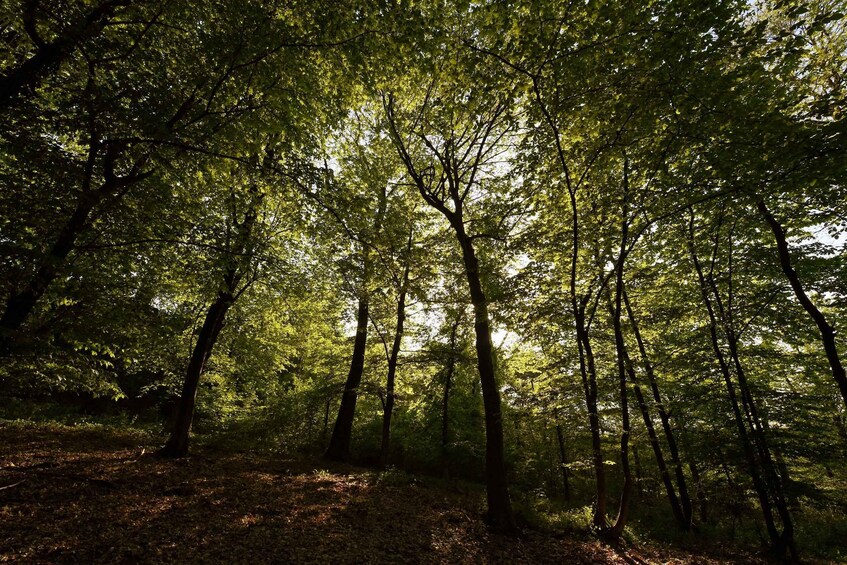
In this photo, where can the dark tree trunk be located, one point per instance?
(622, 358)
(445, 402)
(177, 444)
(392, 367)
(20, 304)
(684, 497)
(695, 475)
(743, 435)
(681, 520)
(563, 463)
(826, 330)
(701, 492)
(326, 420)
(751, 411)
(342, 433)
(499, 505)
(589, 384)
(48, 57)
(639, 474)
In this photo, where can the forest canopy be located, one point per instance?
(591, 253)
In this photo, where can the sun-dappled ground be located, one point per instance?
(95, 496)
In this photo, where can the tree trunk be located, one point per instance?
(589, 384)
(684, 497)
(20, 304)
(177, 444)
(743, 436)
(620, 347)
(563, 463)
(826, 330)
(392, 367)
(342, 433)
(751, 411)
(682, 521)
(445, 403)
(499, 505)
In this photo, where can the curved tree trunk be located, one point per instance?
(20, 304)
(177, 444)
(339, 443)
(826, 330)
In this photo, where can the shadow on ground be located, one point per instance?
(90, 496)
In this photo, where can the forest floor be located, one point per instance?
(92, 495)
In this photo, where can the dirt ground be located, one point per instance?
(93, 496)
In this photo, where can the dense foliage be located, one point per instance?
(590, 253)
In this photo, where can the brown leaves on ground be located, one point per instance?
(89, 496)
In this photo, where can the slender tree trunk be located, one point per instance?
(589, 383)
(499, 505)
(743, 436)
(684, 497)
(673, 500)
(770, 475)
(20, 304)
(326, 420)
(177, 444)
(826, 330)
(392, 365)
(620, 347)
(445, 402)
(639, 475)
(563, 463)
(701, 492)
(695, 475)
(342, 433)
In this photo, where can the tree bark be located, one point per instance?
(620, 347)
(751, 412)
(743, 435)
(563, 463)
(827, 332)
(589, 384)
(445, 402)
(684, 497)
(682, 521)
(392, 365)
(342, 433)
(499, 505)
(177, 444)
(20, 304)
